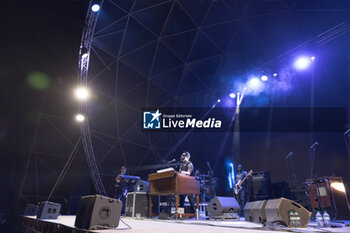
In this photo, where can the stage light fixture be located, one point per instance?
(232, 95)
(264, 78)
(302, 63)
(84, 52)
(81, 93)
(254, 83)
(219, 100)
(274, 74)
(312, 58)
(338, 186)
(95, 8)
(79, 117)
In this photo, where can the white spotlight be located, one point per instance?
(79, 117)
(95, 7)
(81, 93)
(264, 78)
(274, 74)
(302, 63)
(232, 95)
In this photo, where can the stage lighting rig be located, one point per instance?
(264, 78)
(232, 95)
(302, 63)
(95, 7)
(81, 93)
(79, 117)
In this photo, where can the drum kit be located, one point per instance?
(207, 184)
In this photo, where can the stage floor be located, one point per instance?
(191, 226)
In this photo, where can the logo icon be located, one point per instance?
(152, 119)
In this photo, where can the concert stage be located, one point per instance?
(65, 224)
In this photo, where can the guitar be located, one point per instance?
(238, 186)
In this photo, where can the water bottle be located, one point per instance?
(319, 219)
(291, 218)
(327, 219)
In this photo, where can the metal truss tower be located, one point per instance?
(84, 55)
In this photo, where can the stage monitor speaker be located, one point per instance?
(31, 210)
(137, 204)
(220, 205)
(258, 210)
(48, 210)
(96, 211)
(141, 186)
(248, 212)
(279, 210)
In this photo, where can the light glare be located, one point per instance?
(264, 78)
(338, 186)
(302, 63)
(95, 7)
(80, 117)
(81, 93)
(232, 95)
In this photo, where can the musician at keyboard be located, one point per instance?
(186, 168)
(121, 188)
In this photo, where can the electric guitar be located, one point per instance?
(238, 186)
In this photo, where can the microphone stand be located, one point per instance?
(294, 176)
(314, 178)
(346, 135)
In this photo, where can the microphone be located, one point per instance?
(290, 155)
(173, 160)
(313, 145)
(347, 132)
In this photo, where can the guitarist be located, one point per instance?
(242, 196)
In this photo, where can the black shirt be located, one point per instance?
(188, 167)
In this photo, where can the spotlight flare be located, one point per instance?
(95, 8)
(81, 93)
(302, 63)
(232, 95)
(79, 117)
(264, 78)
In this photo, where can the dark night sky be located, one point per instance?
(36, 36)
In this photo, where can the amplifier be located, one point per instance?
(300, 195)
(141, 186)
(137, 204)
(48, 210)
(261, 185)
(330, 194)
